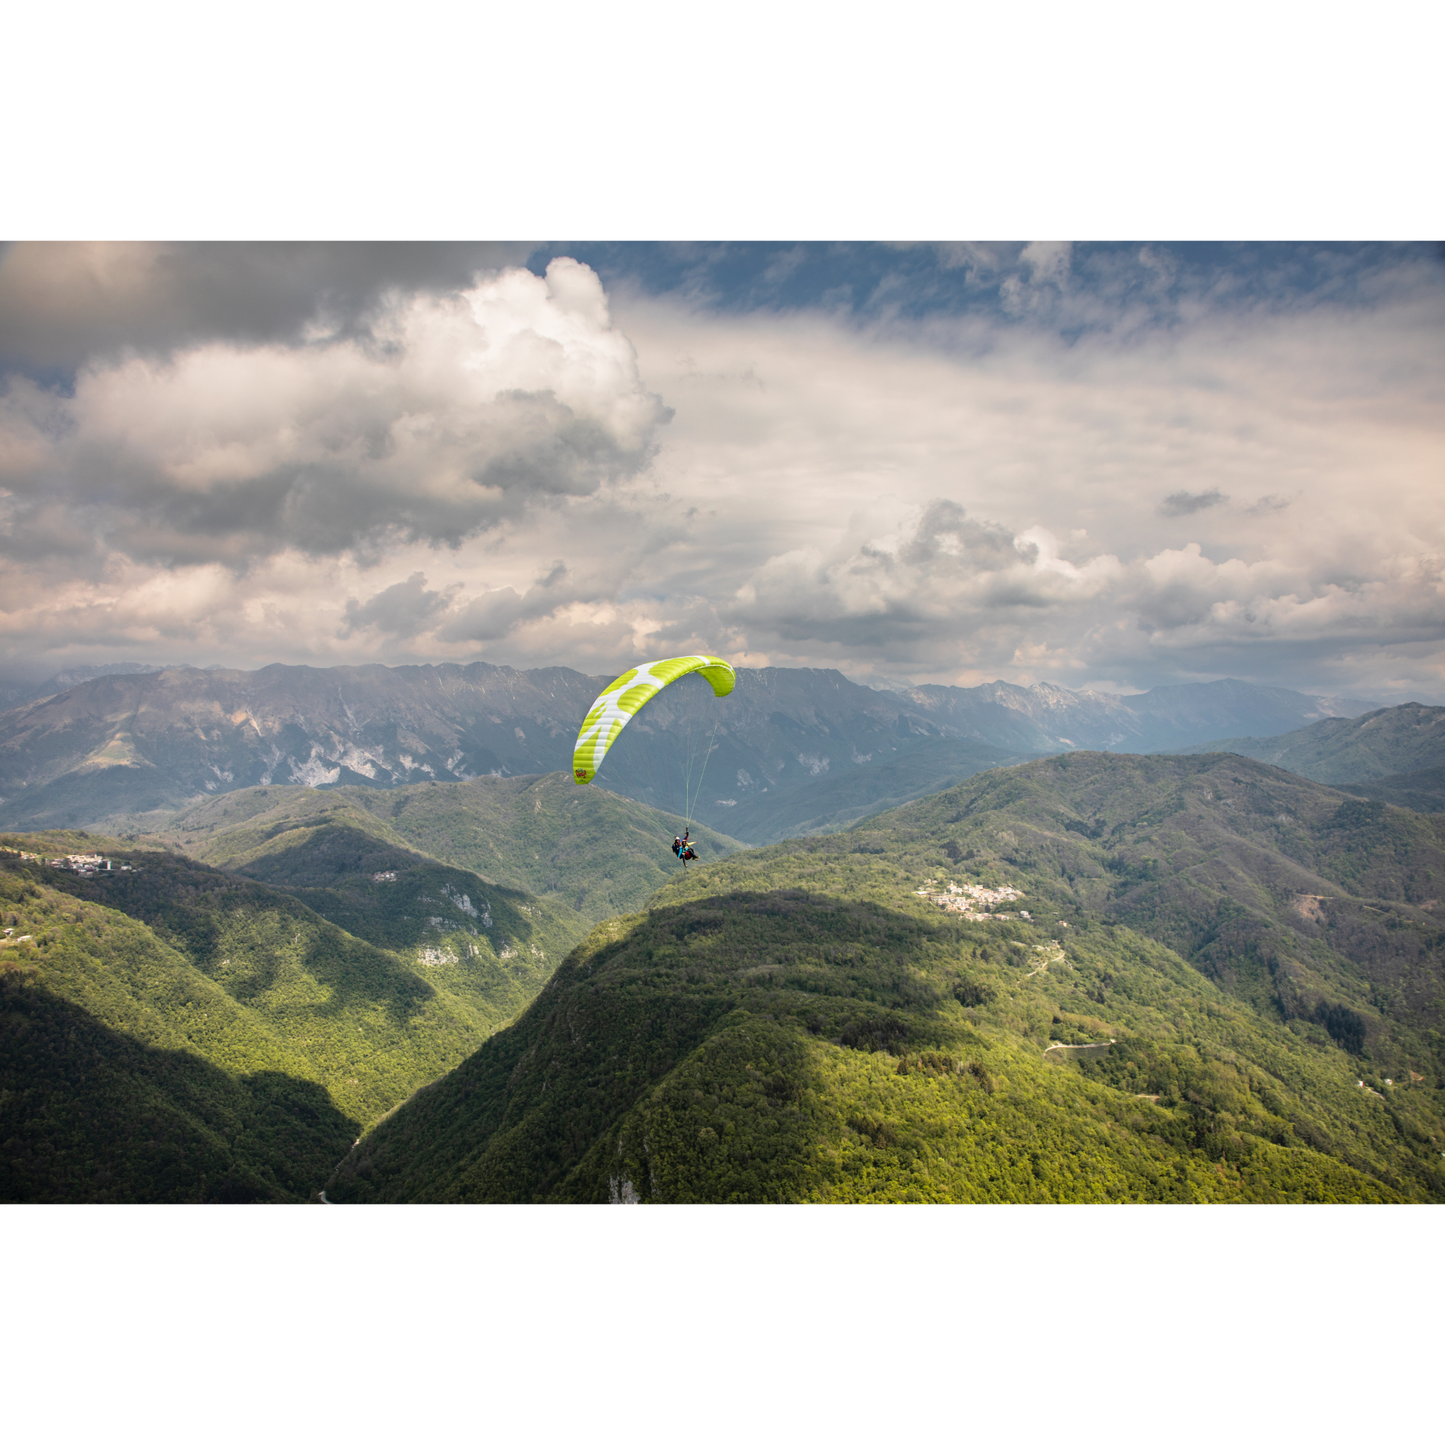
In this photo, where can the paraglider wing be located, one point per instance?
(621, 700)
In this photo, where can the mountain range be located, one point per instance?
(118, 746)
(15, 693)
(938, 969)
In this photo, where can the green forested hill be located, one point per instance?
(216, 1012)
(1229, 988)
(126, 1075)
(1309, 903)
(1379, 745)
(1223, 982)
(346, 968)
(585, 850)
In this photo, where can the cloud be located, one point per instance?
(950, 592)
(401, 610)
(497, 613)
(1019, 270)
(452, 414)
(873, 491)
(488, 470)
(65, 303)
(1184, 504)
(1047, 261)
(946, 538)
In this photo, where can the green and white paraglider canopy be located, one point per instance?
(622, 699)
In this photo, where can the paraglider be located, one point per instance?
(623, 698)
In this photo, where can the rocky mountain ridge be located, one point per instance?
(126, 744)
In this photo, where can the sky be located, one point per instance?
(1106, 466)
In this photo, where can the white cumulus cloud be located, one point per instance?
(452, 414)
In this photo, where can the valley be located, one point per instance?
(176, 1007)
(324, 954)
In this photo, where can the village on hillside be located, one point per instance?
(972, 900)
(86, 864)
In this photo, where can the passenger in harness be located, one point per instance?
(684, 849)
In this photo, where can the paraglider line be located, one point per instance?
(692, 802)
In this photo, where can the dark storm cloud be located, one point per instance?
(326, 509)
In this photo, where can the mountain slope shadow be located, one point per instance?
(89, 1115)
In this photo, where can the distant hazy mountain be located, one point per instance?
(127, 744)
(1049, 719)
(829, 803)
(17, 694)
(1393, 740)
